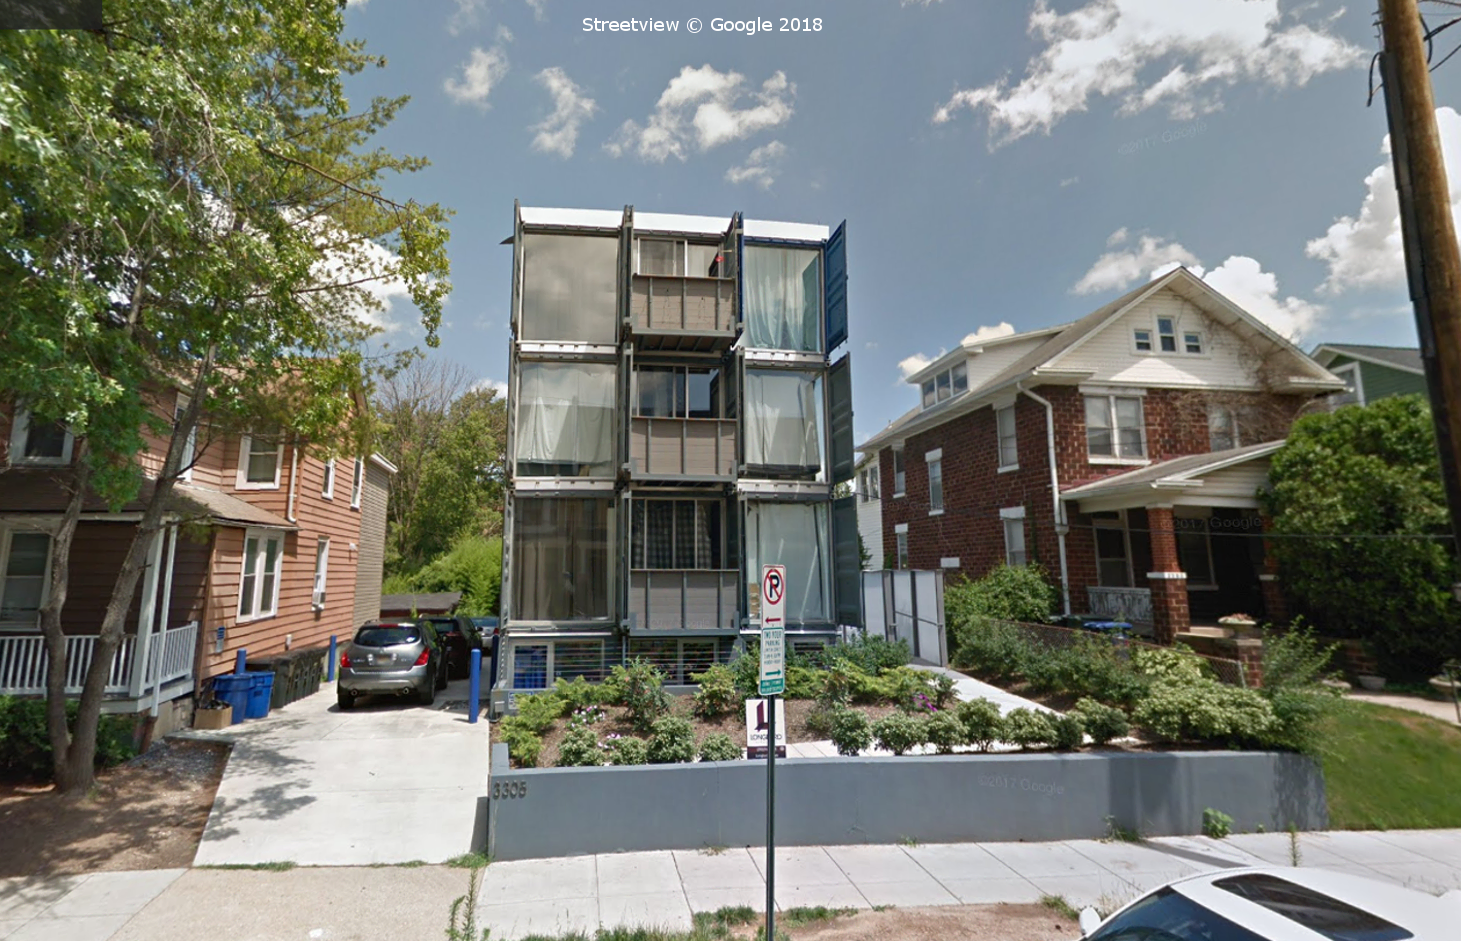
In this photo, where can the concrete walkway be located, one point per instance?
(383, 783)
(1434, 708)
(583, 893)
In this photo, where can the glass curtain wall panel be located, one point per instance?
(797, 536)
(783, 294)
(563, 559)
(784, 420)
(565, 419)
(570, 288)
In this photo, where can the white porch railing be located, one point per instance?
(1133, 605)
(23, 661)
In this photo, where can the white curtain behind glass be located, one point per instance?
(783, 298)
(794, 535)
(566, 415)
(784, 410)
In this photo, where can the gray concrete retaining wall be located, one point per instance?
(936, 799)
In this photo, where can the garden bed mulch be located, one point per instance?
(147, 813)
(615, 722)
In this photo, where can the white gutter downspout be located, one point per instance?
(293, 477)
(1061, 526)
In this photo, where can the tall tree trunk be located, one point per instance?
(79, 773)
(50, 618)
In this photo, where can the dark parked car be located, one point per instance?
(491, 639)
(393, 657)
(461, 637)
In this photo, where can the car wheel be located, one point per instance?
(345, 699)
(427, 693)
(443, 676)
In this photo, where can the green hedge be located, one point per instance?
(25, 745)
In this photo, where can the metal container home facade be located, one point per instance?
(675, 420)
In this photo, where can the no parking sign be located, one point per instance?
(773, 630)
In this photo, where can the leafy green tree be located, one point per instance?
(191, 203)
(473, 566)
(1359, 513)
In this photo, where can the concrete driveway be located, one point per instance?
(385, 782)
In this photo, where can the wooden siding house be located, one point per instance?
(267, 548)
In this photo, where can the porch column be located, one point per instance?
(1275, 606)
(1167, 580)
(142, 644)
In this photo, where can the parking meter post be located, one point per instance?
(240, 660)
(334, 659)
(476, 686)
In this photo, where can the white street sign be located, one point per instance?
(773, 630)
(756, 727)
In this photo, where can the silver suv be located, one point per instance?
(393, 657)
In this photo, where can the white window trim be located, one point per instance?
(1012, 513)
(1151, 340)
(1007, 516)
(1157, 336)
(245, 445)
(320, 591)
(934, 455)
(20, 430)
(901, 552)
(999, 439)
(327, 490)
(899, 492)
(190, 452)
(930, 459)
(900, 528)
(1201, 335)
(1111, 396)
(6, 532)
(264, 536)
(357, 483)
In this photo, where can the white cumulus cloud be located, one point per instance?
(916, 362)
(558, 133)
(1002, 329)
(1365, 250)
(759, 167)
(1146, 54)
(1240, 279)
(495, 385)
(481, 73)
(705, 108)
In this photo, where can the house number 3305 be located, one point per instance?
(502, 789)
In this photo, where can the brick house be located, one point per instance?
(266, 547)
(1122, 452)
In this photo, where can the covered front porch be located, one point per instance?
(1175, 546)
(144, 668)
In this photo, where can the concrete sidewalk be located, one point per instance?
(386, 782)
(583, 893)
(77, 908)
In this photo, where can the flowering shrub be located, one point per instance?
(673, 740)
(586, 716)
(899, 732)
(579, 748)
(982, 722)
(719, 746)
(851, 732)
(626, 750)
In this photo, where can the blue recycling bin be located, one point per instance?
(234, 689)
(261, 687)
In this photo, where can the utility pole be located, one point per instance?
(1432, 262)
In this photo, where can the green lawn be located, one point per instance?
(1388, 769)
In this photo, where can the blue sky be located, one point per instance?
(998, 162)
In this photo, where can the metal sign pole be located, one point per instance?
(771, 819)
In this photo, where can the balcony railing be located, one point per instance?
(24, 663)
(669, 313)
(1133, 605)
(699, 448)
(683, 600)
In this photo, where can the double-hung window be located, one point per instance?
(263, 557)
(1167, 334)
(935, 462)
(322, 564)
(1013, 520)
(1009, 451)
(34, 440)
(1222, 428)
(327, 487)
(1115, 427)
(900, 479)
(25, 561)
(783, 296)
(260, 458)
(900, 543)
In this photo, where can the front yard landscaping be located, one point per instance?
(1388, 769)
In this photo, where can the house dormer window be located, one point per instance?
(1168, 339)
(1167, 334)
(1143, 341)
(947, 384)
(37, 441)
